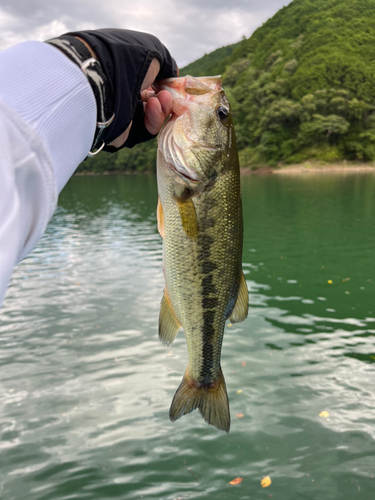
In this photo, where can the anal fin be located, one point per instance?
(168, 323)
(241, 307)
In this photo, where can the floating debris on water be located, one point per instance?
(324, 414)
(237, 480)
(265, 482)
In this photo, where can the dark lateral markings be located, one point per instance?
(205, 243)
(209, 223)
(208, 287)
(208, 267)
(209, 303)
(208, 348)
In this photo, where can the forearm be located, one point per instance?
(51, 115)
(47, 124)
(53, 96)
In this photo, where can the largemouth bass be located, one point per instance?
(200, 218)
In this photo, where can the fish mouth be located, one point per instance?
(189, 84)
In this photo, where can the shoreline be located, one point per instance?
(313, 168)
(112, 172)
(303, 168)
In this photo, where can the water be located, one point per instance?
(85, 385)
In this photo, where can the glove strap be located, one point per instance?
(81, 56)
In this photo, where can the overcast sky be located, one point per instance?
(189, 28)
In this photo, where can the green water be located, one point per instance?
(85, 385)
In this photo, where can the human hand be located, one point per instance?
(157, 107)
(132, 61)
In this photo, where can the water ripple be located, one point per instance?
(85, 385)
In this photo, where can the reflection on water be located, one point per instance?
(85, 386)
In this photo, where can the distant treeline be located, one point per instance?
(302, 87)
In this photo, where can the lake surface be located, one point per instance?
(85, 385)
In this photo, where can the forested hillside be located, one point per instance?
(214, 63)
(301, 87)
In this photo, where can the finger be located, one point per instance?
(157, 110)
(154, 117)
(147, 94)
(151, 74)
(165, 100)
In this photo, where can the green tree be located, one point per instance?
(302, 86)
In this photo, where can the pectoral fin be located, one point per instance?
(168, 323)
(160, 218)
(188, 217)
(241, 307)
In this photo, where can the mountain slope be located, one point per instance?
(213, 63)
(301, 87)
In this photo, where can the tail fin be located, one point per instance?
(211, 400)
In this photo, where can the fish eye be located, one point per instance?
(222, 113)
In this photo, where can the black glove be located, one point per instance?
(125, 57)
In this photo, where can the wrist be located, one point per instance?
(81, 54)
(89, 48)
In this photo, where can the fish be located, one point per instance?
(199, 217)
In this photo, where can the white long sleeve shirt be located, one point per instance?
(47, 125)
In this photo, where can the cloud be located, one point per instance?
(188, 28)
